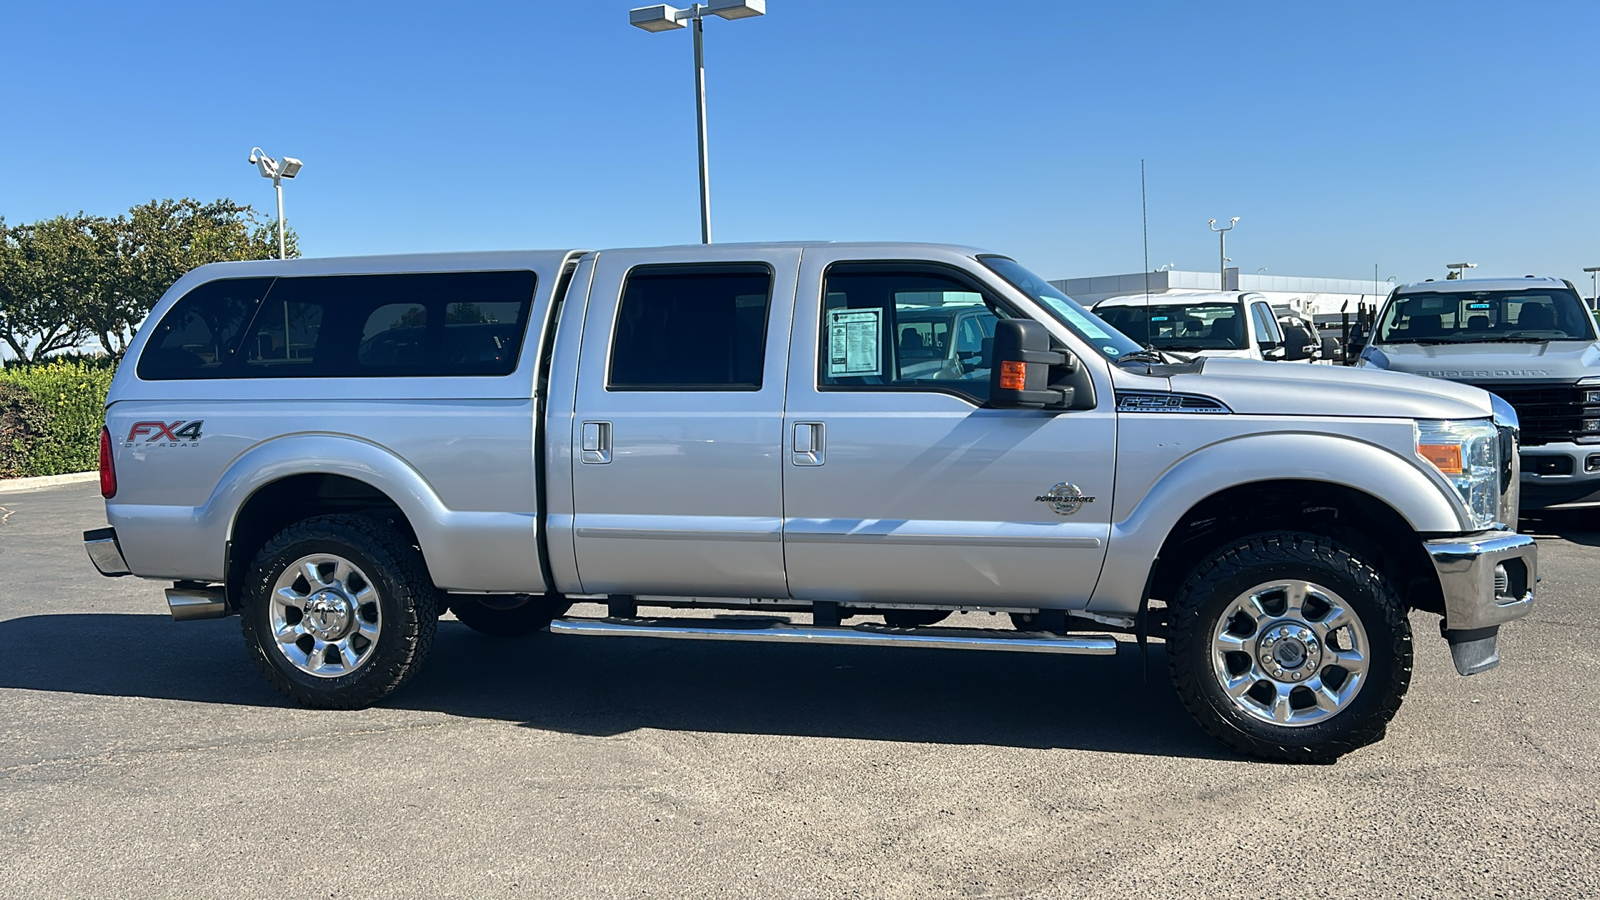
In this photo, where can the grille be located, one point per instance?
(1550, 412)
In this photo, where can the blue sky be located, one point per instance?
(1402, 134)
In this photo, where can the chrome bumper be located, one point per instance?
(1487, 580)
(105, 552)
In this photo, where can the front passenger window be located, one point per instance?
(896, 327)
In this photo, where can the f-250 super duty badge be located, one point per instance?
(160, 434)
(1065, 499)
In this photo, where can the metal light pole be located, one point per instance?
(1222, 251)
(668, 18)
(1594, 290)
(272, 168)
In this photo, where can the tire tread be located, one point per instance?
(1276, 548)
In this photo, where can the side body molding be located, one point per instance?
(1137, 536)
(468, 551)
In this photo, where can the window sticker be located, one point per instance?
(854, 336)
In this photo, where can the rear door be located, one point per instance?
(677, 476)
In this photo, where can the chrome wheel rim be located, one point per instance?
(1290, 653)
(325, 615)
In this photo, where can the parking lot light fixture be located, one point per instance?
(1458, 271)
(670, 18)
(1222, 251)
(277, 170)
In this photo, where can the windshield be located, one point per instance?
(1065, 309)
(1187, 326)
(1458, 317)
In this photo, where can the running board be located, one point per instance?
(857, 635)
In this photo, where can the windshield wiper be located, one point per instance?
(1149, 355)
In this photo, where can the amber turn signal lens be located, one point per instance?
(1445, 457)
(1013, 375)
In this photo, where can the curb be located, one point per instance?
(16, 485)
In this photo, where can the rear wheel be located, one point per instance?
(1290, 647)
(339, 611)
(508, 616)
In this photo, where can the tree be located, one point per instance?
(158, 242)
(68, 279)
(50, 274)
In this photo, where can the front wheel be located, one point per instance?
(339, 611)
(1290, 647)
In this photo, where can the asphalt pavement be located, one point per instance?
(145, 758)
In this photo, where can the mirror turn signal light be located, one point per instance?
(1013, 375)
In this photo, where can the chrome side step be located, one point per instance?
(856, 635)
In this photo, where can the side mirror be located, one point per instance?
(1020, 377)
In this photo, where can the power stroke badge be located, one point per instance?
(1065, 499)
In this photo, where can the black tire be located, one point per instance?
(508, 617)
(407, 606)
(1221, 580)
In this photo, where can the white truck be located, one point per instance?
(1224, 324)
(844, 442)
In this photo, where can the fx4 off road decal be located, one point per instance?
(161, 434)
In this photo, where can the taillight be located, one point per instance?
(108, 468)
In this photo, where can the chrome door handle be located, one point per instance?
(809, 441)
(596, 443)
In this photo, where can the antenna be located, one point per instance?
(1144, 209)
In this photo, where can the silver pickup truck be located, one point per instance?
(842, 443)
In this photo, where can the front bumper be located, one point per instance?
(105, 552)
(1487, 580)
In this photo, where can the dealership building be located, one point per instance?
(1324, 298)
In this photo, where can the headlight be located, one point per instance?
(1468, 454)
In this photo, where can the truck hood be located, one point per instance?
(1300, 389)
(1556, 360)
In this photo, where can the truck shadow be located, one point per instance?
(1575, 526)
(604, 687)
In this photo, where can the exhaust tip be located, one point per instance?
(188, 604)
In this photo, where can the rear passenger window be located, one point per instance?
(199, 336)
(691, 328)
(426, 324)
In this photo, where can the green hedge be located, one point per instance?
(50, 417)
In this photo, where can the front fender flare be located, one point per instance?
(1378, 471)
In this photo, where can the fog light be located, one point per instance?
(1502, 581)
(1592, 463)
(1591, 424)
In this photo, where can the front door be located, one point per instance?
(677, 432)
(899, 486)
